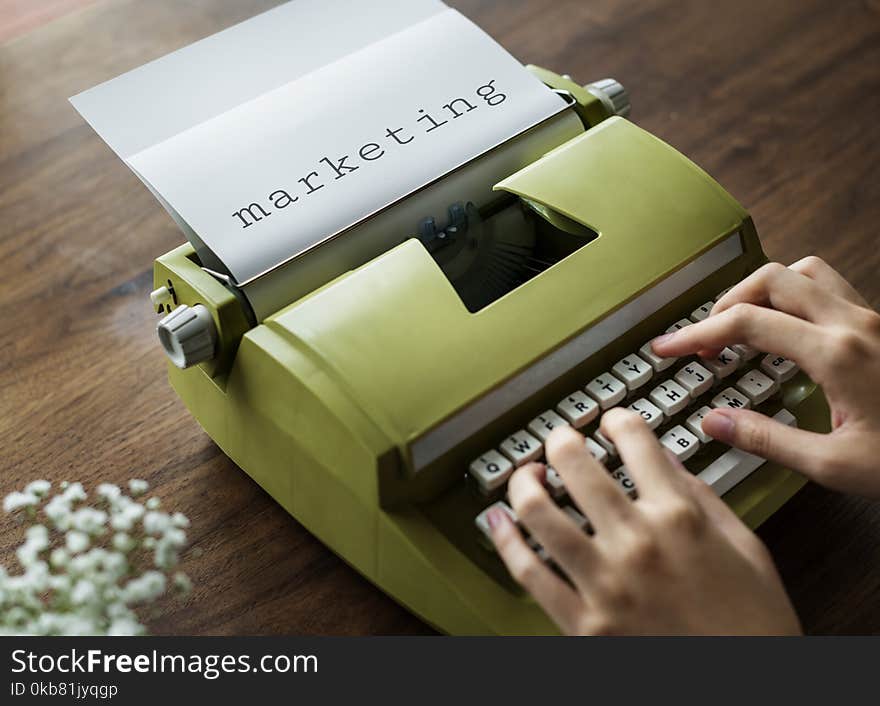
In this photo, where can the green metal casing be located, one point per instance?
(321, 402)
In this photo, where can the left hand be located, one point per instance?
(675, 561)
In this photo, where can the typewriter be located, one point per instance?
(387, 405)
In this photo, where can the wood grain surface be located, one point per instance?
(779, 100)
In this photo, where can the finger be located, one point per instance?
(588, 483)
(719, 513)
(822, 273)
(553, 594)
(568, 545)
(764, 329)
(784, 290)
(794, 448)
(640, 452)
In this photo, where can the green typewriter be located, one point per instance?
(383, 385)
(387, 409)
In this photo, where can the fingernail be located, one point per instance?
(666, 337)
(494, 518)
(719, 426)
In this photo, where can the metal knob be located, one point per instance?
(188, 335)
(612, 94)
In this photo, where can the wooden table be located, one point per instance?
(778, 100)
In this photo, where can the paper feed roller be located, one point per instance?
(438, 380)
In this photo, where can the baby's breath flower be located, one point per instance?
(125, 514)
(95, 580)
(77, 541)
(146, 587)
(38, 488)
(74, 492)
(83, 592)
(182, 582)
(109, 492)
(123, 542)
(90, 521)
(156, 522)
(59, 557)
(138, 486)
(125, 626)
(16, 501)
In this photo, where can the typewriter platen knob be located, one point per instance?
(188, 335)
(612, 94)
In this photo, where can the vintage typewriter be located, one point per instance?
(385, 399)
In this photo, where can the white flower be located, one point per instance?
(138, 486)
(156, 522)
(15, 501)
(77, 541)
(123, 542)
(58, 512)
(115, 564)
(109, 492)
(83, 592)
(59, 558)
(89, 520)
(125, 626)
(182, 582)
(125, 514)
(146, 587)
(38, 488)
(74, 492)
(95, 581)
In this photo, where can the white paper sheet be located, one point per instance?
(262, 180)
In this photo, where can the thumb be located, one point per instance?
(794, 448)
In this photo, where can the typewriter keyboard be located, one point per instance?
(672, 395)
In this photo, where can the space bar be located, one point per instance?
(734, 466)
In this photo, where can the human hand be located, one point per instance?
(808, 313)
(675, 561)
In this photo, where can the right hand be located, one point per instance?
(808, 313)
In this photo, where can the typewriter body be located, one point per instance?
(385, 408)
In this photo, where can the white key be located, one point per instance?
(521, 447)
(680, 442)
(694, 378)
(578, 408)
(491, 470)
(605, 443)
(578, 518)
(555, 486)
(607, 390)
(744, 352)
(658, 363)
(778, 368)
(621, 475)
(482, 520)
(648, 411)
(722, 293)
(723, 364)
(734, 466)
(598, 452)
(544, 423)
(634, 371)
(757, 386)
(678, 325)
(694, 424)
(702, 312)
(670, 397)
(729, 397)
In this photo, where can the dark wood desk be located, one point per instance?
(778, 100)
